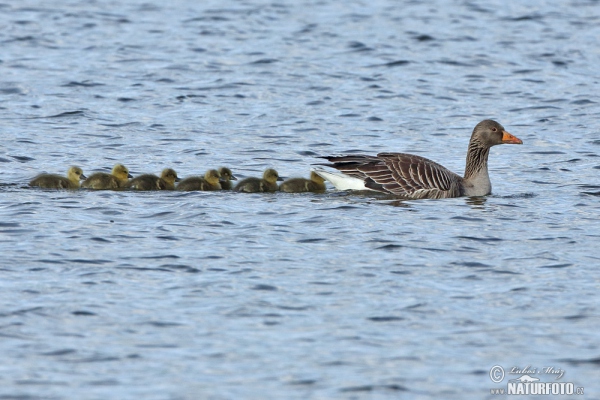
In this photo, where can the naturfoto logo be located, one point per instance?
(526, 384)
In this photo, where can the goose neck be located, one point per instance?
(477, 160)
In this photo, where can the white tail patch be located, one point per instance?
(341, 181)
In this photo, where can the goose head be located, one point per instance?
(489, 133)
(212, 176)
(121, 172)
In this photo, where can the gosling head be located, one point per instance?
(212, 176)
(226, 174)
(271, 175)
(170, 176)
(75, 174)
(121, 172)
(316, 177)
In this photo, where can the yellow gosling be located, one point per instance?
(299, 185)
(102, 181)
(166, 181)
(226, 178)
(51, 181)
(209, 182)
(169, 177)
(268, 183)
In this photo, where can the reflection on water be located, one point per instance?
(398, 203)
(476, 201)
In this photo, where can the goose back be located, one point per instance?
(401, 174)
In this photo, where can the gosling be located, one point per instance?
(166, 181)
(211, 181)
(51, 181)
(226, 178)
(102, 181)
(268, 183)
(300, 185)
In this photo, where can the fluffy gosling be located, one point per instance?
(51, 181)
(103, 181)
(211, 181)
(166, 181)
(300, 185)
(226, 178)
(268, 183)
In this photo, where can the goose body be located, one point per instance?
(52, 181)
(316, 183)
(415, 177)
(208, 183)
(147, 182)
(226, 178)
(103, 181)
(268, 183)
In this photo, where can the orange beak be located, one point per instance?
(507, 138)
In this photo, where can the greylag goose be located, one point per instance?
(51, 181)
(209, 182)
(103, 181)
(268, 183)
(226, 178)
(417, 177)
(316, 183)
(166, 181)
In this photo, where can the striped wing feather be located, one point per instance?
(352, 165)
(401, 174)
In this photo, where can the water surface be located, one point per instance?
(336, 295)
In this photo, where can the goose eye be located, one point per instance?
(494, 130)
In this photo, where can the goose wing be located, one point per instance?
(400, 174)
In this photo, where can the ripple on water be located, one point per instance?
(346, 288)
(556, 266)
(481, 239)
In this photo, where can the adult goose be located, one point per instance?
(416, 177)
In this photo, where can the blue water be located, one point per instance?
(226, 295)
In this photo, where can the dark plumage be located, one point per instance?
(268, 183)
(316, 183)
(103, 181)
(51, 181)
(209, 182)
(166, 181)
(417, 177)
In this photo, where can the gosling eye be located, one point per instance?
(494, 129)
